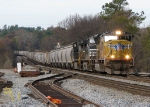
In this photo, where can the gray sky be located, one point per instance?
(46, 13)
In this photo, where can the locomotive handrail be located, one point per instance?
(108, 53)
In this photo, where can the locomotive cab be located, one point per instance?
(84, 54)
(91, 48)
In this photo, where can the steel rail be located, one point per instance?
(70, 94)
(59, 89)
(39, 94)
(43, 97)
(133, 88)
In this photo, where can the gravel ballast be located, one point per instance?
(19, 92)
(105, 96)
(98, 94)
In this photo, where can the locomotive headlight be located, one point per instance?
(127, 56)
(118, 32)
(112, 56)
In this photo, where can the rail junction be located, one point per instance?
(48, 89)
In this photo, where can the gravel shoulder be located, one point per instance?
(106, 96)
(19, 97)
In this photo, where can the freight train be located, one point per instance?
(109, 52)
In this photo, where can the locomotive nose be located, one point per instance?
(117, 54)
(120, 50)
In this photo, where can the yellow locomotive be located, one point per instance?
(109, 52)
(115, 52)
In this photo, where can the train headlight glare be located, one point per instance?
(118, 32)
(127, 56)
(112, 56)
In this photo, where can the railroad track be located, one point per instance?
(50, 87)
(130, 77)
(133, 78)
(123, 86)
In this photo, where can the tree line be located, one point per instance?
(114, 15)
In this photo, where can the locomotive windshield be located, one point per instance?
(111, 37)
(122, 37)
(92, 40)
(125, 37)
(92, 44)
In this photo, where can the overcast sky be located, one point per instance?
(46, 13)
